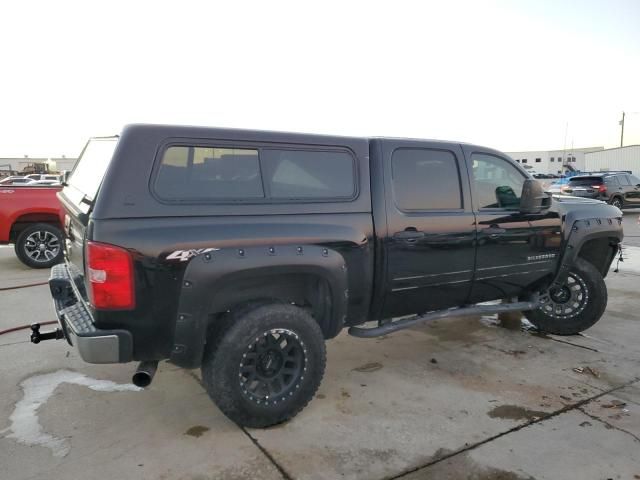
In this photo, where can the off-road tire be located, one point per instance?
(588, 278)
(29, 253)
(617, 202)
(225, 362)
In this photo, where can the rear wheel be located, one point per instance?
(40, 246)
(575, 306)
(264, 364)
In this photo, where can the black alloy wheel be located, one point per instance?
(273, 366)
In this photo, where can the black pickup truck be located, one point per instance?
(241, 251)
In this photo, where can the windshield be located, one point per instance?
(92, 165)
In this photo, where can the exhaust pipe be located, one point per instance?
(145, 373)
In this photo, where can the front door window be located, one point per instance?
(498, 184)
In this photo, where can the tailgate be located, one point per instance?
(78, 197)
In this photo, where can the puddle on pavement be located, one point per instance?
(463, 467)
(368, 367)
(461, 329)
(513, 353)
(25, 426)
(197, 431)
(510, 320)
(515, 412)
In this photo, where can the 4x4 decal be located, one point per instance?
(184, 255)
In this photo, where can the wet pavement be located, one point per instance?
(631, 227)
(456, 399)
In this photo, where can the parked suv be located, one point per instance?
(620, 189)
(241, 252)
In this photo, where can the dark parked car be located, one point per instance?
(620, 189)
(241, 252)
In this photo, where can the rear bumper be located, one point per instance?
(94, 345)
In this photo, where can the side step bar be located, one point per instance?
(390, 327)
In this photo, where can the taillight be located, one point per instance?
(600, 188)
(110, 276)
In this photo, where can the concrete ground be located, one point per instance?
(455, 399)
(632, 227)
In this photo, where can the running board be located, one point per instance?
(391, 327)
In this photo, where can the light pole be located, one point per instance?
(621, 123)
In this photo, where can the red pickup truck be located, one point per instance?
(32, 219)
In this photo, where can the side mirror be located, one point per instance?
(534, 199)
(506, 197)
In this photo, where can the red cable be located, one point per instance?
(25, 327)
(23, 286)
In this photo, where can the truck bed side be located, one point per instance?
(166, 237)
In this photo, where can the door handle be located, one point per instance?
(494, 231)
(408, 235)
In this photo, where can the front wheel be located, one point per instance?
(575, 306)
(264, 364)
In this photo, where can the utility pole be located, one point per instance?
(564, 147)
(621, 123)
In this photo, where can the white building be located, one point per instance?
(622, 158)
(554, 161)
(60, 164)
(17, 164)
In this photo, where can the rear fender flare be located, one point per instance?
(209, 271)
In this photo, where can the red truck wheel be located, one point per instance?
(40, 246)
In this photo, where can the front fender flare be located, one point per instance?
(583, 230)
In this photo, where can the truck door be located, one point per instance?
(509, 258)
(429, 242)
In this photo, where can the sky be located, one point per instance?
(512, 75)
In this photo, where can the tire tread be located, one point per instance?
(224, 344)
(588, 317)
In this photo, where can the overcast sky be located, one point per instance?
(505, 74)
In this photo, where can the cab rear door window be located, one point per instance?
(425, 179)
(254, 174)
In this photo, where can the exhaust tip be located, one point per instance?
(144, 374)
(141, 379)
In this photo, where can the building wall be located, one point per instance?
(61, 164)
(18, 163)
(553, 161)
(624, 158)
